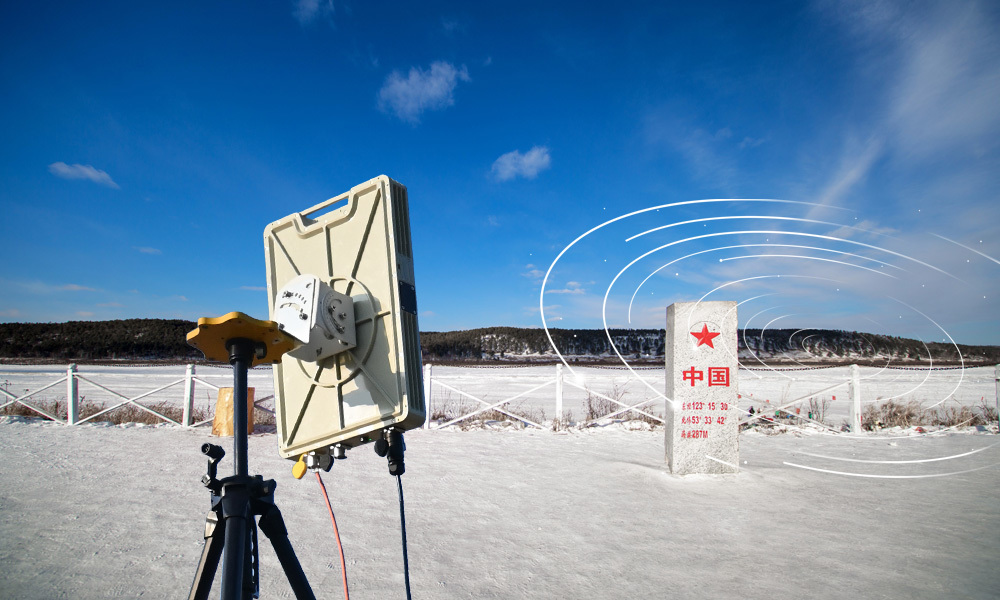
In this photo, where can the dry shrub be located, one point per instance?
(56, 407)
(954, 416)
(762, 424)
(441, 409)
(449, 409)
(263, 421)
(518, 410)
(128, 413)
(598, 408)
(893, 414)
(987, 411)
(818, 408)
(564, 422)
(263, 417)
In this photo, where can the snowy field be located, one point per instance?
(758, 388)
(100, 511)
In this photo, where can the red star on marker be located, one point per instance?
(705, 336)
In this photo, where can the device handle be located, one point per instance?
(345, 205)
(311, 216)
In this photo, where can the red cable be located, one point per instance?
(343, 565)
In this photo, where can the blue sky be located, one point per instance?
(146, 146)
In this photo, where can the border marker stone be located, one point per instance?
(702, 421)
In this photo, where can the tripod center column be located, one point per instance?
(241, 353)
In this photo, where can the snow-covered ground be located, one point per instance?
(102, 511)
(117, 512)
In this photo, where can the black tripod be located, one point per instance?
(230, 529)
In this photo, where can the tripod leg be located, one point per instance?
(209, 563)
(236, 512)
(273, 526)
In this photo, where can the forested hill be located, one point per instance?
(129, 339)
(817, 345)
(160, 339)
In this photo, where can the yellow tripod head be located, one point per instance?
(213, 334)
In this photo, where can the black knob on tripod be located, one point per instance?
(212, 451)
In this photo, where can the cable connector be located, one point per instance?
(392, 446)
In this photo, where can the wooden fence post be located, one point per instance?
(427, 396)
(559, 395)
(188, 396)
(72, 396)
(855, 393)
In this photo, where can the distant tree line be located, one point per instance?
(128, 339)
(510, 343)
(837, 344)
(163, 339)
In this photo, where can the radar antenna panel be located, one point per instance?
(340, 279)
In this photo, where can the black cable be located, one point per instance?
(402, 522)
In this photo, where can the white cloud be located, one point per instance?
(307, 11)
(928, 135)
(946, 98)
(533, 272)
(452, 26)
(865, 226)
(712, 157)
(566, 291)
(749, 142)
(147, 250)
(77, 171)
(527, 165)
(111, 305)
(572, 287)
(854, 167)
(10, 313)
(253, 288)
(408, 97)
(84, 313)
(938, 62)
(72, 287)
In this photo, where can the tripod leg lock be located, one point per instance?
(272, 523)
(236, 501)
(211, 524)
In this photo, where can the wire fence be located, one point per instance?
(69, 405)
(554, 396)
(539, 397)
